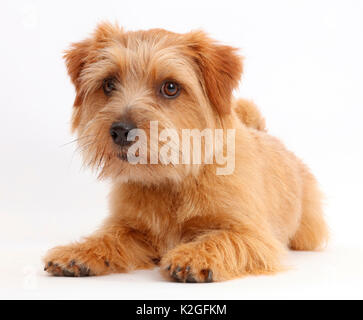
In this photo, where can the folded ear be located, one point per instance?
(76, 58)
(82, 53)
(220, 66)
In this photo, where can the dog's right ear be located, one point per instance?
(76, 58)
(83, 53)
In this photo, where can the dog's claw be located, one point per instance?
(48, 265)
(189, 276)
(209, 276)
(176, 274)
(68, 273)
(190, 279)
(84, 271)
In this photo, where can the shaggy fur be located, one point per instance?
(198, 226)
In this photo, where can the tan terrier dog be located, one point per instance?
(199, 226)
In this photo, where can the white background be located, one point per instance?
(303, 68)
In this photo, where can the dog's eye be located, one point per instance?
(170, 89)
(108, 86)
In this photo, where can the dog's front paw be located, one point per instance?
(187, 263)
(72, 261)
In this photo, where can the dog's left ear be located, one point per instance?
(220, 66)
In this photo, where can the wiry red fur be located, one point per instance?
(196, 225)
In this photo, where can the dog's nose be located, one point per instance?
(119, 132)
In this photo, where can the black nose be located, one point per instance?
(119, 132)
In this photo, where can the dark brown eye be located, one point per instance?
(108, 86)
(170, 89)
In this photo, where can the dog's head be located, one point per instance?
(134, 80)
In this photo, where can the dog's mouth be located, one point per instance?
(122, 154)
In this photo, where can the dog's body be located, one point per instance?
(198, 226)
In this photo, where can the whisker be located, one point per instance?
(73, 141)
(84, 146)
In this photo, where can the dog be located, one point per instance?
(195, 224)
